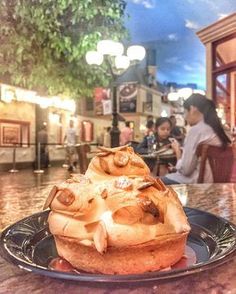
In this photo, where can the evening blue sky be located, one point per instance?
(170, 27)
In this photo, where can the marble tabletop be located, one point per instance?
(28, 198)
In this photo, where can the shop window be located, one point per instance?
(147, 106)
(222, 83)
(224, 51)
(223, 75)
(89, 104)
(14, 133)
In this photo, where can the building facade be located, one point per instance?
(23, 112)
(220, 41)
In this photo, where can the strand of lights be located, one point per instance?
(10, 93)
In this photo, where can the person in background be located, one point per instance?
(150, 128)
(200, 113)
(161, 135)
(163, 132)
(71, 139)
(175, 130)
(164, 139)
(42, 138)
(161, 141)
(126, 134)
(107, 137)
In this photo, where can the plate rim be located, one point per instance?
(105, 278)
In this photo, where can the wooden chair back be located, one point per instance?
(220, 160)
(83, 160)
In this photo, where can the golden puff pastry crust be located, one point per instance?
(117, 223)
(112, 162)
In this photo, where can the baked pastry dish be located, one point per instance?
(117, 219)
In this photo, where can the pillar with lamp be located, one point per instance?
(112, 53)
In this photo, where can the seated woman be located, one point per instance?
(160, 141)
(206, 128)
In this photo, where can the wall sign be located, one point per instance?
(128, 97)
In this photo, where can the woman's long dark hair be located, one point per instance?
(208, 109)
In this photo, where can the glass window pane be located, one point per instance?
(226, 52)
(223, 97)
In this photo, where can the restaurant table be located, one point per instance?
(156, 159)
(219, 199)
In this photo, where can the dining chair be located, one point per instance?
(83, 150)
(221, 162)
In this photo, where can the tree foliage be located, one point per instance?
(44, 42)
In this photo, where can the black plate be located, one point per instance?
(29, 244)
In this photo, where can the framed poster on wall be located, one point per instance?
(102, 101)
(14, 133)
(10, 134)
(128, 98)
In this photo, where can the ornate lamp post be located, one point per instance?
(111, 52)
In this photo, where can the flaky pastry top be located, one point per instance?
(121, 211)
(113, 162)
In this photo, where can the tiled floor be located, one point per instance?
(27, 177)
(27, 190)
